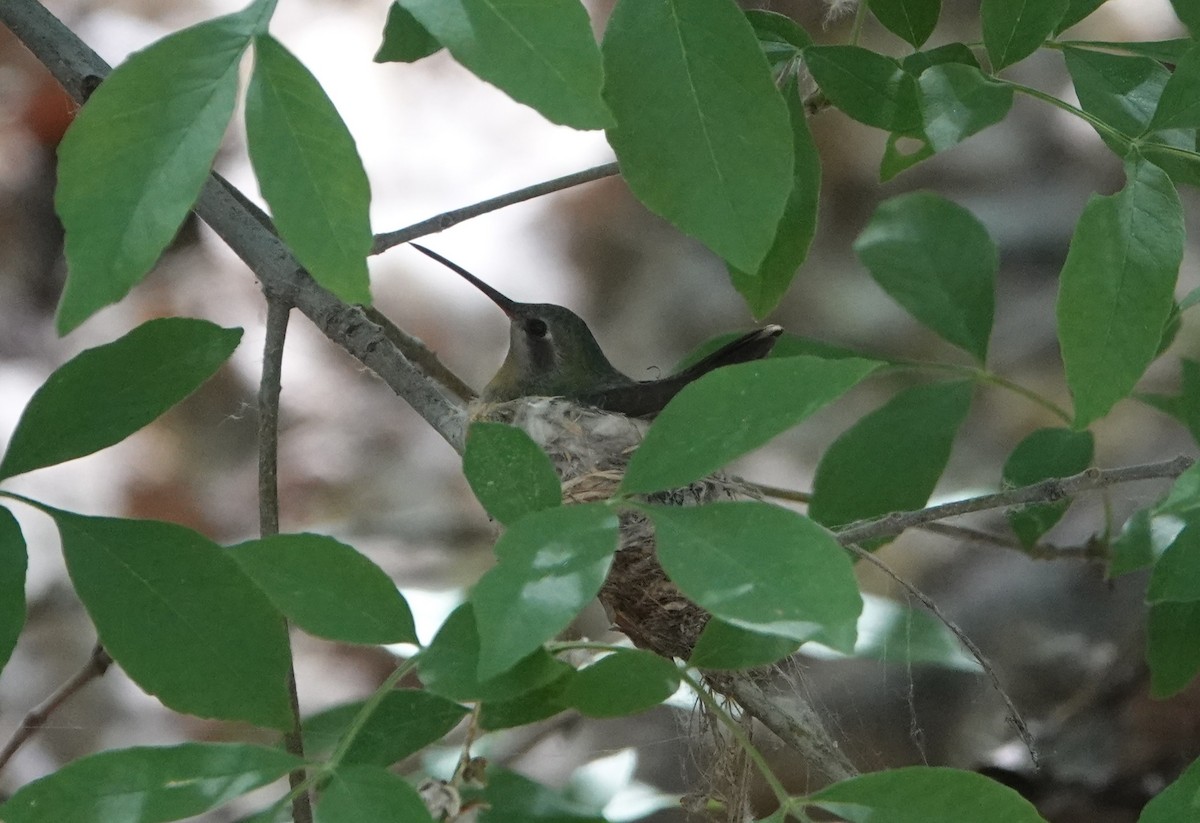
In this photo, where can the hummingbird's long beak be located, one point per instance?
(509, 307)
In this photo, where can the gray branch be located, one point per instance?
(1047, 491)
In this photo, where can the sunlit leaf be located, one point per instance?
(551, 564)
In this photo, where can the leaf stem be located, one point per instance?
(985, 376)
(1003, 382)
(1095, 122)
(364, 714)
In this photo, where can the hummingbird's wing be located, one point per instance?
(647, 398)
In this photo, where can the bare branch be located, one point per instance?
(1047, 491)
(441, 222)
(96, 666)
(268, 514)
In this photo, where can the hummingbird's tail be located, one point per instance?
(634, 400)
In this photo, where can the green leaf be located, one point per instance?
(702, 135)
(1177, 801)
(910, 20)
(206, 640)
(368, 794)
(902, 152)
(551, 564)
(450, 664)
(1172, 651)
(935, 259)
(511, 798)
(870, 470)
(122, 385)
(1188, 11)
(148, 784)
(1133, 548)
(762, 568)
(925, 793)
(327, 588)
(1045, 453)
(405, 40)
(871, 88)
(1077, 10)
(731, 411)
(625, 682)
(404, 723)
(132, 163)
(541, 54)
(13, 563)
(764, 287)
(1122, 90)
(1184, 497)
(781, 37)
(958, 101)
(309, 171)
(530, 707)
(1117, 287)
(509, 473)
(1188, 400)
(1176, 575)
(1178, 108)
(725, 646)
(1013, 31)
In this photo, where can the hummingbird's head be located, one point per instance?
(551, 350)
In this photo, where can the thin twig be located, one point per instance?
(95, 667)
(269, 388)
(441, 222)
(780, 493)
(1047, 491)
(1014, 716)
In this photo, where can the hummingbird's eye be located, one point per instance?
(536, 327)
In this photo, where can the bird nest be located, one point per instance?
(590, 449)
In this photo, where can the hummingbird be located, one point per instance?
(553, 353)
